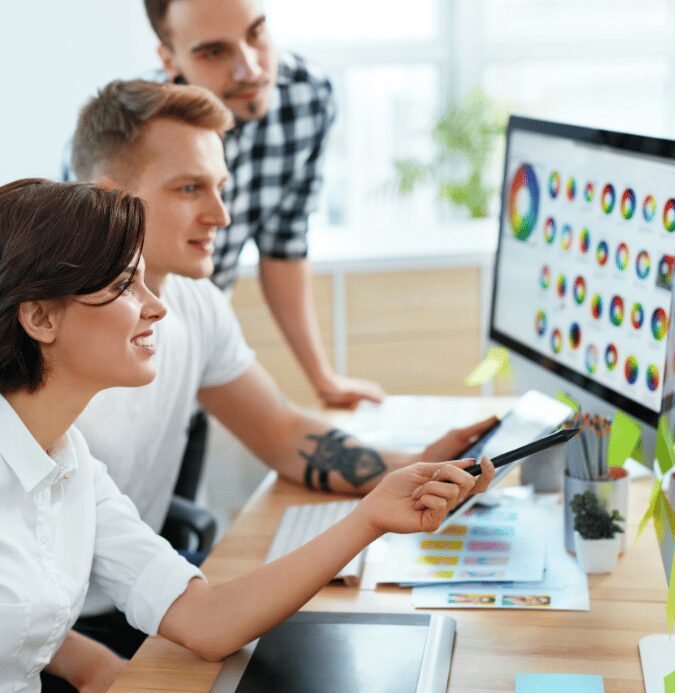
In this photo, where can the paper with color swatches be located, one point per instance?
(485, 544)
(563, 588)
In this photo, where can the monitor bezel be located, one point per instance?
(639, 144)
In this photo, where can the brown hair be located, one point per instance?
(57, 240)
(110, 124)
(156, 11)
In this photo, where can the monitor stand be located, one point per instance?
(657, 654)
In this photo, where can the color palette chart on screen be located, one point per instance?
(585, 271)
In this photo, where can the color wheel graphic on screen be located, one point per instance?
(556, 341)
(637, 315)
(631, 370)
(659, 324)
(561, 285)
(589, 192)
(602, 253)
(652, 378)
(566, 237)
(579, 290)
(642, 264)
(540, 323)
(611, 357)
(608, 198)
(622, 257)
(591, 360)
(574, 335)
(649, 208)
(628, 203)
(584, 240)
(549, 230)
(524, 202)
(616, 311)
(554, 184)
(571, 188)
(596, 306)
(545, 277)
(669, 215)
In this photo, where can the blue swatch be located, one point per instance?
(559, 683)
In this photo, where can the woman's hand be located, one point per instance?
(418, 497)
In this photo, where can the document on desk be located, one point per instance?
(408, 422)
(483, 545)
(564, 587)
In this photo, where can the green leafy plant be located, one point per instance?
(592, 520)
(464, 139)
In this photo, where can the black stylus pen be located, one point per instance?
(560, 436)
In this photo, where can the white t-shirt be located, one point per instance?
(140, 433)
(62, 519)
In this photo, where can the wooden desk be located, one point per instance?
(490, 646)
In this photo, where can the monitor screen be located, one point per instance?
(584, 269)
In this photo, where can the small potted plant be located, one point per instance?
(596, 533)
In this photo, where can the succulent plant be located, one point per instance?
(592, 520)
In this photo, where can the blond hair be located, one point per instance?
(110, 125)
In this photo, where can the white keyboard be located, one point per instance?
(301, 523)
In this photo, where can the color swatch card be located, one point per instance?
(485, 544)
(564, 587)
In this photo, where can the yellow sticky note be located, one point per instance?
(664, 445)
(495, 363)
(438, 560)
(454, 530)
(441, 545)
(670, 600)
(653, 500)
(625, 439)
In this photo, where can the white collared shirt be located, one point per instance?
(62, 518)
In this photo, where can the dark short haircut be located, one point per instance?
(110, 125)
(57, 241)
(156, 11)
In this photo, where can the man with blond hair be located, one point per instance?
(163, 143)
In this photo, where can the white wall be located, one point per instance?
(54, 55)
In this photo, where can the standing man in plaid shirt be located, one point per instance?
(283, 110)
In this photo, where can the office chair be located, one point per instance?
(186, 521)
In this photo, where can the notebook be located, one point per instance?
(338, 652)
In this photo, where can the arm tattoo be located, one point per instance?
(357, 465)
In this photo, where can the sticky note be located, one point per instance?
(670, 605)
(496, 362)
(441, 545)
(664, 446)
(624, 439)
(569, 401)
(559, 683)
(669, 683)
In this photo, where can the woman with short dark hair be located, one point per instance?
(75, 318)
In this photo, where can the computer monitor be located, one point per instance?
(583, 278)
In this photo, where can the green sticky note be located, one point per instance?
(664, 446)
(496, 362)
(669, 683)
(625, 439)
(569, 401)
(670, 599)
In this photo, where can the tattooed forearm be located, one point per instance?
(356, 465)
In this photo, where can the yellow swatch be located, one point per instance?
(441, 544)
(438, 560)
(454, 530)
(448, 574)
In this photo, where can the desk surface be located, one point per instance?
(491, 647)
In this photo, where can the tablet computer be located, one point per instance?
(534, 415)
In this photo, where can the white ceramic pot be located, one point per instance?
(597, 555)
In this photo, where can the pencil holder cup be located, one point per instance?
(544, 470)
(612, 493)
